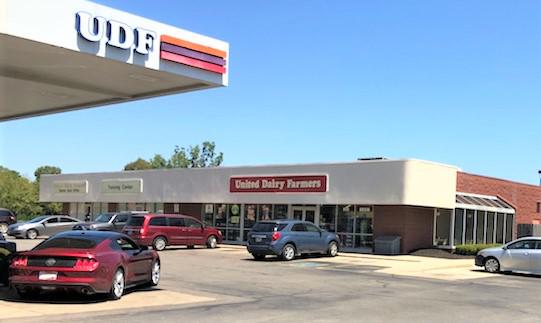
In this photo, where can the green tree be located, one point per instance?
(18, 194)
(179, 159)
(46, 170)
(47, 208)
(196, 156)
(138, 164)
(158, 161)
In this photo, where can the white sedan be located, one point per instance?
(521, 255)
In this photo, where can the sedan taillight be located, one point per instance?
(86, 264)
(20, 261)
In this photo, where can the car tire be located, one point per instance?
(288, 252)
(117, 285)
(3, 228)
(258, 256)
(212, 242)
(492, 265)
(155, 273)
(332, 251)
(32, 234)
(191, 247)
(159, 243)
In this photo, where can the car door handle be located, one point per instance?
(526, 253)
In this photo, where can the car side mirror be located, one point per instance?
(504, 247)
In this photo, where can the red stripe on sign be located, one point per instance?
(192, 62)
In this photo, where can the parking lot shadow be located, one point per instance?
(508, 273)
(66, 297)
(277, 258)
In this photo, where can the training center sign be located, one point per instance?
(279, 184)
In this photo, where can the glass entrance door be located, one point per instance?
(304, 213)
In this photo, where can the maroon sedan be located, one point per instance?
(85, 261)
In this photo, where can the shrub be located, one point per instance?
(472, 249)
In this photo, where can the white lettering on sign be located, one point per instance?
(120, 35)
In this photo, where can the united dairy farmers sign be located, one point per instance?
(279, 184)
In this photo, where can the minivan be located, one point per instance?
(162, 230)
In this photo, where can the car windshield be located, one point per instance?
(69, 243)
(136, 221)
(38, 219)
(268, 227)
(104, 218)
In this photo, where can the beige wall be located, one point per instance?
(386, 182)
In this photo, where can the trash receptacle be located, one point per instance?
(387, 245)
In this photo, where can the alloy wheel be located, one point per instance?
(155, 273)
(289, 252)
(492, 265)
(333, 249)
(212, 242)
(32, 234)
(159, 244)
(118, 284)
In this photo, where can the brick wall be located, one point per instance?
(414, 224)
(523, 197)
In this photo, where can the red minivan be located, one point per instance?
(161, 230)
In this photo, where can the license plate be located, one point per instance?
(48, 275)
(258, 239)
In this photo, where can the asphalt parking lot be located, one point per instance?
(225, 284)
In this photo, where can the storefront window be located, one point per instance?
(499, 227)
(490, 227)
(208, 214)
(480, 232)
(509, 227)
(443, 227)
(327, 217)
(233, 223)
(280, 211)
(221, 215)
(459, 226)
(159, 207)
(265, 212)
(469, 226)
(354, 226)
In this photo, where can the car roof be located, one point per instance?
(153, 215)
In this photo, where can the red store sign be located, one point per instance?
(279, 184)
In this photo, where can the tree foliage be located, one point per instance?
(21, 195)
(138, 164)
(197, 156)
(46, 170)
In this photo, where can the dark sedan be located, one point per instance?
(85, 261)
(289, 238)
(7, 249)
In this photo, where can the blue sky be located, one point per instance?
(457, 82)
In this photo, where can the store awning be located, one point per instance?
(483, 203)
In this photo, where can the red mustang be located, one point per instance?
(85, 261)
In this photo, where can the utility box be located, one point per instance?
(387, 245)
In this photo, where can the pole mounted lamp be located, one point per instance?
(539, 173)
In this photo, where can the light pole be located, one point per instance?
(539, 172)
